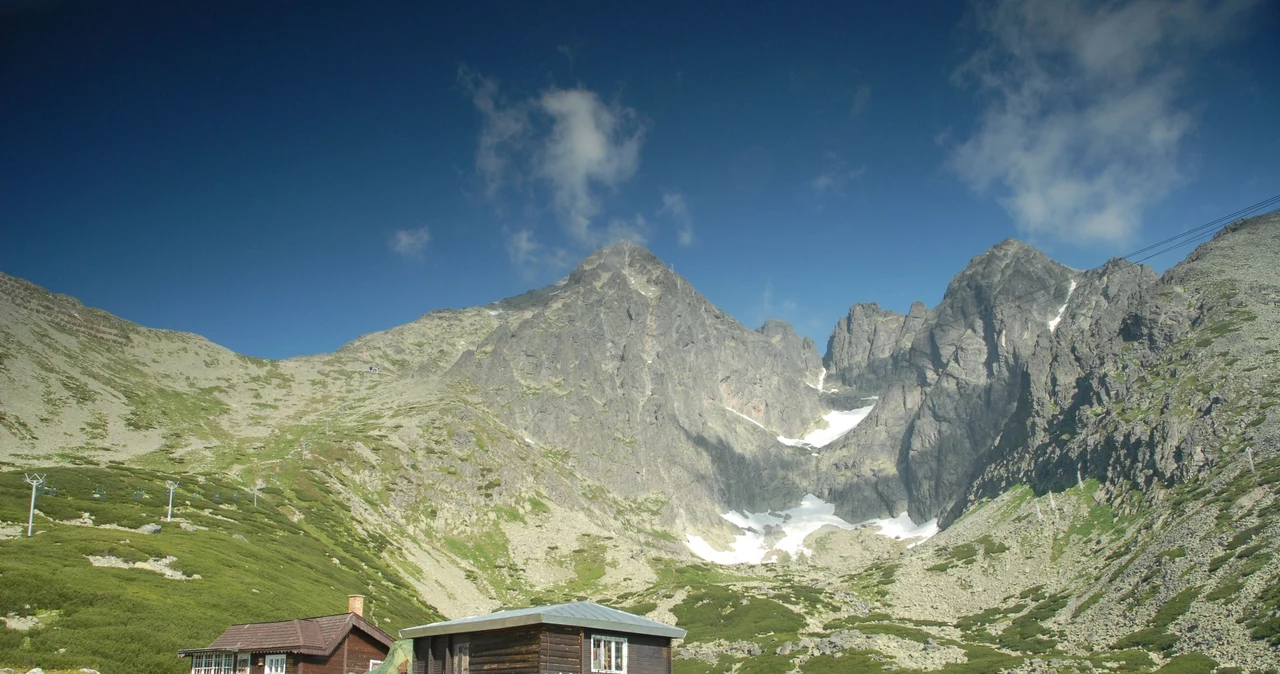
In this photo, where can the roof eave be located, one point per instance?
(474, 626)
(538, 619)
(657, 630)
(193, 651)
(295, 651)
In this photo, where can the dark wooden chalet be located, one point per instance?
(332, 644)
(577, 638)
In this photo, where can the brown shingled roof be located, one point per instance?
(305, 636)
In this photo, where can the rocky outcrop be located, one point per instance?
(862, 347)
(1030, 372)
(650, 387)
(946, 381)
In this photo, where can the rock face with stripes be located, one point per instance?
(650, 387)
(960, 385)
(1031, 372)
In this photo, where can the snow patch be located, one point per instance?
(1053, 324)
(902, 528)
(765, 535)
(838, 423)
(745, 417)
(822, 378)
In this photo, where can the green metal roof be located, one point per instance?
(576, 614)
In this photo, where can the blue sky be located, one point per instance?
(282, 179)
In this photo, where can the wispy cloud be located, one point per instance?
(522, 247)
(410, 243)
(592, 146)
(531, 257)
(568, 52)
(675, 207)
(861, 101)
(1083, 127)
(635, 230)
(836, 175)
(503, 131)
(568, 146)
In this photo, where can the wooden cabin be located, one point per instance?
(577, 638)
(332, 644)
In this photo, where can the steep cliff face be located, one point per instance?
(1030, 372)
(649, 386)
(1164, 381)
(946, 381)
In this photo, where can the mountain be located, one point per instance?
(1099, 447)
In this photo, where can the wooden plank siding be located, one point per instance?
(512, 651)
(353, 655)
(561, 650)
(539, 649)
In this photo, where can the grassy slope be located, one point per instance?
(134, 619)
(1106, 588)
(1115, 585)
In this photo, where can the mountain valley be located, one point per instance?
(1051, 470)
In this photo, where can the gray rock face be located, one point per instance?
(650, 387)
(861, 348)
(1141, 387)
(1030, 372)
(946, 380)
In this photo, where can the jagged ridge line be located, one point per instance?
(1213, 225)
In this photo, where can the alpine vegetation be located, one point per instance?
(1055, 465)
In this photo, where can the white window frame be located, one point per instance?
(244, 663)
(618, 645)
(374, 664)
(213, 663)
(276, 658)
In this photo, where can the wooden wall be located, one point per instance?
(540, 649)
(511, 651)
(560, 650)
(353, 655)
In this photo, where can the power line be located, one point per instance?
(1196, 234)
(1212, 224)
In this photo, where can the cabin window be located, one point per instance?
(275, 664)
(242, 663)
(212, 663)
(374, 664)
(608, 654)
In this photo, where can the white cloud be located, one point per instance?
(503, 131)
(675, 206)
(567, 52)
(836, 176)
(635, 230)
(522, 247)
(1083, 126)
(530, 255)
(591, 145)
(410, 242)
(861, 101)
(569, 141)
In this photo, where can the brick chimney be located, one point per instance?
(355, 604)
